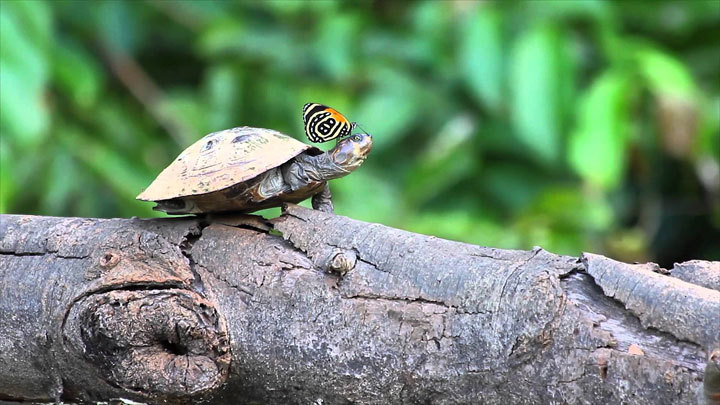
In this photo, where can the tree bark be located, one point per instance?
(316, 308)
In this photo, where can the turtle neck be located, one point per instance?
(321, 167)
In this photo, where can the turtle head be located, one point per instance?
(351, 152)
(345, 157)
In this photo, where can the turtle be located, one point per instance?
(246, 169)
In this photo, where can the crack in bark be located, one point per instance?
(488, 256)
(322, 311)
(579, 269)
(512, 273)
(286, 212)
(11, 253)
(45, 252)
(228, 283)
(188, 241)
(635, 315)
(628, 330)
(287, 265)
(371, 264)
(417, 300)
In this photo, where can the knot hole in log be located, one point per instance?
(163, 344)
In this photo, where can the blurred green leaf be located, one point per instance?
(466, 226)
(136, 137)
(60, 183)
(677, 19)
(447, 158)
(481, 56)
(559, 219)
(665, 74)
(186, 108)
(221, 36)
(117, 24)
(598, 145)
(77, 73)
(387, 46)
(350, 196)
(708, 143)
(8, 187)
(24, 110)
(300, 8)
(36, 19)
(431, 24)
(512, 187)
(390, 108)
(431, 18)
(223, 85)
(276, 45)
(24, 72)
(593, 9)
(566, 208)
(336, 45)
(540, 75)
(120, 175)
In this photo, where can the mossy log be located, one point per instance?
(314, 308)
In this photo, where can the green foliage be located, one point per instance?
(481, 56)
(574, 125)
(597, 147)
(540, 65)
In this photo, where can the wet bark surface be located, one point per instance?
(317, 308)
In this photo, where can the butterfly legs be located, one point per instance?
(322, 201)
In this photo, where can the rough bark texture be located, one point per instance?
(318, 308)
(702, 273)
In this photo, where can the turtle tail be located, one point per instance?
(175, 206)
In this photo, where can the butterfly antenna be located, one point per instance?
(361, 128)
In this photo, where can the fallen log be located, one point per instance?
(316, 308)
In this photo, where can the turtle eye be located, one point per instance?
(356, 138)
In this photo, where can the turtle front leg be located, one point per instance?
(322, 201)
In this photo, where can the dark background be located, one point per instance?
(573, 125)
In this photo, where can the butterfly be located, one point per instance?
(323, 123)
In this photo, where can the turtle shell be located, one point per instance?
(223, 159)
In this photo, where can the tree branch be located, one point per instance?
(224, 309)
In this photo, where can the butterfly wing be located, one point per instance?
(323, 123)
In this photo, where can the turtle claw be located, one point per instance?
(325, 208)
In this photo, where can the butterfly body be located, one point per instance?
(323, 123)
